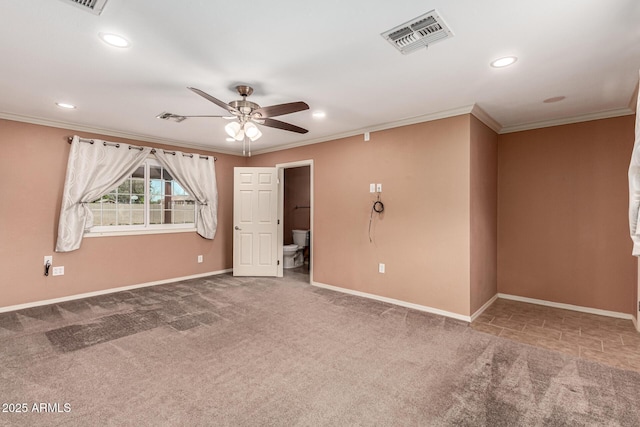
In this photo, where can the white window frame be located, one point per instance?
(146, 228)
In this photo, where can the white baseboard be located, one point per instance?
(568, 306)
(109, 291)
(395, 302)
(481, 310)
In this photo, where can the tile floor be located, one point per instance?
(598, 338)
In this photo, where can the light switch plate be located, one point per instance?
(372, 188)
(58, 271)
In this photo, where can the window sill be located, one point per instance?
(137, 232)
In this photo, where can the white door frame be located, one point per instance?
(281, 167)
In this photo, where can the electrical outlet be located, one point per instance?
(200, 259)
(372, 188)
(379, 188)
(381, 268)
(58, 271)
(48, 258)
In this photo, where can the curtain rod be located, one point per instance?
(153, 150)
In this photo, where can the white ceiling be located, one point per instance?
(327, 53)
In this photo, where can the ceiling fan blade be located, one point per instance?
(222, 117)
(216, 101)
(281, 109)
(273, 123)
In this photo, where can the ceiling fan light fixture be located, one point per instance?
(232, 129)
(251, 130)
(255, 135)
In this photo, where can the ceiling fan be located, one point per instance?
(247, 114)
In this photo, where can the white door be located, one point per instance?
(255, 219)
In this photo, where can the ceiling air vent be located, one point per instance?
(171, 117)
(419, 32)
(93, 6)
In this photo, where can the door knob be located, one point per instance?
(237, 228)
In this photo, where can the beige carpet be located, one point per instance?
(262, 352)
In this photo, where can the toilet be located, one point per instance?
(290, 254)
(294, 254)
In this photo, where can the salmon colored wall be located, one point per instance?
(563, 232)
(33, 164)
(296, 193)
(484, 221)
(423, 234)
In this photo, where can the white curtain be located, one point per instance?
(198, 176)
(634, 186)
(93, 169)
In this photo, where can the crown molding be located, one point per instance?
(568, 120)
(109, 132)
(485, 118)
(384, 126)
(473, 109)
(634, 101)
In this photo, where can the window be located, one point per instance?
(149, 200)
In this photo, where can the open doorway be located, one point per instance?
(296, 204)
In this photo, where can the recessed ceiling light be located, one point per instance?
(554, 99)
(230, 139)
(114, 40)
(319, 114)
(65, 105)
(504, 62)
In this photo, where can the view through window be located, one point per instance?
(149, 199)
